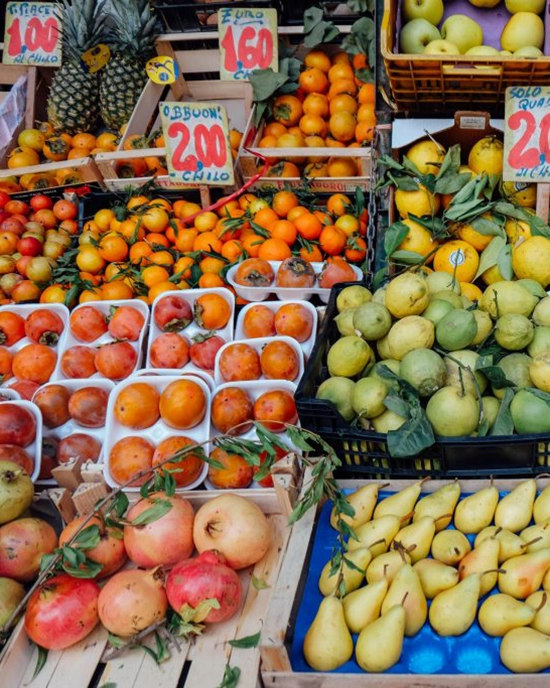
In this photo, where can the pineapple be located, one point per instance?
(122, 80)
(72, 102)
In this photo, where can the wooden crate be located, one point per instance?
(201, 661)
(279, 623)
(9, 75)
(86, 169)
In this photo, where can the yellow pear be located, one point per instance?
(406, 582)
(537, 537)
(541, 508)
(363, 501)
(400, 504)
(511, 545)
(416, 538)
(435, 577)
(328, 643)
(523, 575)
(380, 644)
(515, 510)
(500, 613)
(482, 559)
(362, 607)
(540, 602)
(380, 531)
(525, 651)
(475, 512)
(386, 566)
(352, 577)
(450, 546)
(438, 504)
(453, 611)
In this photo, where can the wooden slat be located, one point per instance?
(543, 201)
(316, 680)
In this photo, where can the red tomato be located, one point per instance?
(40, 202)
(4, 198)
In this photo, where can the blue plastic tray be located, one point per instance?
(474, 652)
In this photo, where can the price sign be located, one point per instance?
(527, 134)
(33, 34)
(162, 69)
(248, 41)
(96, 58)
(197, 143)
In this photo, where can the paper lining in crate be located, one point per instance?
(236, 97)
(249, 166)
(435, 83)
(202, 660)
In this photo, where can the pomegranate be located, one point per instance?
(11, 593)
(22, 544)
(16, 491)
(202, 578)
(132, 600)
(165, 541)
(234, 526)
(62, 612)
(110, 552)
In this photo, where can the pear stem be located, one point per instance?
(542, 602)
(531, 542)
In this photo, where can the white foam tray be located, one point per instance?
(307, 346)
(35, 448)
(282, 293)
(159, 431)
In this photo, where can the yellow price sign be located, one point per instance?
(162, 70)
(96, 58)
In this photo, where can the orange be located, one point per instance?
(359, 61)
(366, 113)
(209, 280)
(349, 224)
(207, 241)
(308, 226)
(91, 226)
(313, 125)
(268, 141)
(459, 258)
(316, 104)
(182, 267)
(53, 294)
(283, 202)
(187, 210)
(312, 254)
(265, 217)
(338, 204)
(251, 244)
(342, 167)
(318, 59)
(275, 129)
(159, 288)
(205, 222)
(332, 240)
(155, 239)
(284, 169)
(89, 259)
(136, 201)
(113, 248)
(364, 131)
(131, 231)
(340, 71)
(112, 291)
(287, 110)
(155, 219)
(296, 212)
(313, 80)
(468, 233)
(160, 203)
(356, 250)
(226, 230)
(316, 169)
(342, 86)
(471, 291)
(341, 58)
(139, 252)
(232, 250)
(246, 199)
(343, 103)
(274, 249)
(164, 258)
(235, 138)
(324, 218)
(103, 219)
(185, 239)
(212, 265)
(367, 94)
(154, 274)
(90, 295)
(418, 240)
(342, 126)
(285, 230)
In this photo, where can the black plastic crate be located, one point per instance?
(82, 190)
(364, 453)
(337, 12)
(189, 16)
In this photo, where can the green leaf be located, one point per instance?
(230, 677)
(451, 184)
(265, 83)
(394, 236)
(487, 227)
(412, 437)
(408, 257)
(88, 569)
(312, 17)
(504, 262)
(119, 505)
(533, 287)
(489, 257)
(40, 661)
(144, 490)
(539, 393)
(259, 583)
(504, 425)
(163, 653)
(200, 612)
(296, 436)
(397, 405)
(451, 163)
(365, 74)
(247, 642)
(495, 375)
(88, 538)
(116, 641)
(46, 561)
(153, 513)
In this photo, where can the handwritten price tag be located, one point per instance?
(248, 41)
(162, 69)
(33, 34)
(96, 58)
(197, 143)
(527, 134)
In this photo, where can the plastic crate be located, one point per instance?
(189, 16)
(430, 83)
(365, 453)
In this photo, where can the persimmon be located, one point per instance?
(182, 404)
(294, 320)
(279, 361)
(287, 110)
(235, 472)
(78, 445)
(87, 324)
(6, 359)
(212, 311)
(137, 406)
(116, 360)
(313, 80)
(186, 469)
(232, 411)
(88, 406)
(258, 321)
(170, 350)
(130, 456)
(239, 362)
(254, 272)
(53, 402)
(316, 104)
(12, 328)
(334, 271)
(34, 362)
(274, 409)
(296, 273)
(78, 362)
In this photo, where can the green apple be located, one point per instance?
(441, 47)
(416, 35)
(505, 52)
(430, 10)
(463, 31)
(522, 29)
(536, 6)
(528, 51)
(482, 50)
(484, 3)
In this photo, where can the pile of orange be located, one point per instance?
(331, 109)
(152, 246)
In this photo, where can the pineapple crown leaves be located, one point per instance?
(136, 27)
(83, 27)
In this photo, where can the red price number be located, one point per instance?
(208, 143)
(38, 35)
(254, 49)
(521, 155)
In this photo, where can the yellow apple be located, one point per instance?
(536, 6)
(528, 51)
(522, 29)
(441, 47)
(462, 31)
